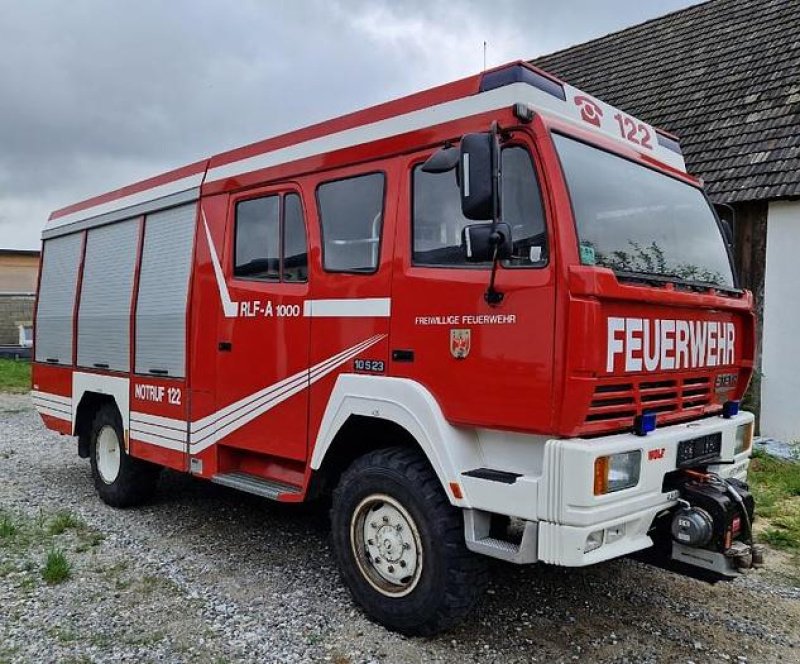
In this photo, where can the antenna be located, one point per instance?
(484, 55)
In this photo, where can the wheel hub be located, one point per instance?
(108, 454)
(387, 545)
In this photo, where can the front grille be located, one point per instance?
(615, 401)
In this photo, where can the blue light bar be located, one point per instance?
(644, 423)
(730, 409)
(519, 74)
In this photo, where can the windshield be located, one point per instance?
(633, 219)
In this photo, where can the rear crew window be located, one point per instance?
(438, 222)
(257, 253)
(351, 216)
(271, 240)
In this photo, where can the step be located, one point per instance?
(477, 525)
(256, 485)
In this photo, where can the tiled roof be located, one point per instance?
(724, 76)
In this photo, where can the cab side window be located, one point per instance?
(438, 222)
(351, 216)
(271, 242)
(295, 245)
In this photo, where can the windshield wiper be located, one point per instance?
(660, 279)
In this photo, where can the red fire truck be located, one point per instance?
(495, 318)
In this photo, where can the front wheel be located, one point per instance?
(120, 480)
(400, 544)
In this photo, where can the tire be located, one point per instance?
(440, 581)
(120, 480)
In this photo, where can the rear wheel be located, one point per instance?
(120, 480)
(400, 544)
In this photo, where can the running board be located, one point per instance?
(255, 485)
(476, 534)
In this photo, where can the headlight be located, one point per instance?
(744, 438)
(616, 472)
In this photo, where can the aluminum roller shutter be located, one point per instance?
(61, 259)
(104, 316)
(163, 292)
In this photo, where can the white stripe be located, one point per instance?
(169, 422)
(229, 308)
(504, 97)
(44, 410)
(160, 191)
(266, 392)
(160, 441)
(366, 307)
(66, 412)
(232, 423)
(399, 124)
(36, 394)
(170, 433)
(157, 430)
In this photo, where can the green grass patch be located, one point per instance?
(15, 376)
(7, 527)
(776, 488)
(62, 522)
(57, 568)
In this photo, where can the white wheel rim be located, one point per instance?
(386, 545)
(108, 454)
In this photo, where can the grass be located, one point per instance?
(15, 376)
(57, 568)
(776, 488)
(62, 522)
(7, 527)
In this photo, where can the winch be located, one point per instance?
(709, 534)
(712, 527)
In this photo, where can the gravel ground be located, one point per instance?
(205, 574)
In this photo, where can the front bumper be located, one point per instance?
(560, 496)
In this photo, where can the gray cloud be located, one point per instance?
(97, 94)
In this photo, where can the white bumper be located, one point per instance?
(560, 494)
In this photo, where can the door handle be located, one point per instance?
(225, 346)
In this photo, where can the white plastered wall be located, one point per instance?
(780, 385)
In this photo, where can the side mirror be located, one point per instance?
(480, 240)
(443, 160)
(478, 169)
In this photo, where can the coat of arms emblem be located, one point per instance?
(460, 343)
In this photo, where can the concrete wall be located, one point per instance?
(780, 365)
(14, 309)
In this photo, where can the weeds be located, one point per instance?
(62, 522)
(7, 527)
(57, 568)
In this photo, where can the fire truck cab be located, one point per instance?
(495, 318)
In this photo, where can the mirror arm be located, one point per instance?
(492, 296)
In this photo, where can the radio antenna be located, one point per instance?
(484, 55)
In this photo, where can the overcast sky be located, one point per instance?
(98, 94)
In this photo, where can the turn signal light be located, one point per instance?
(744, 438)
(616, 472)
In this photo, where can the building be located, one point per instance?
(18, 274)
(724, 76)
